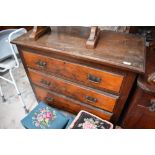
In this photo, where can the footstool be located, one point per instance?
(45, 117)
(86, 120)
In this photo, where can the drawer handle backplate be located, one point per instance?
(152, 107)
(91, 99)
(41, 63)
(44, 82)
(93, 78)
(49, 99)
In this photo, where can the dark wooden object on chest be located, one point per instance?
(91, 42)
(38, 31)
(67, 75)
(141, 111)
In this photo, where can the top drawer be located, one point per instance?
(88, 76)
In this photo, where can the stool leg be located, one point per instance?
(2, 95)
(18, 92)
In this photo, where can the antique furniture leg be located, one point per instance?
(93, 37)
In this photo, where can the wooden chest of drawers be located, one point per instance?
(67, 75)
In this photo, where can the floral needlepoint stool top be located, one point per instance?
(42, 117)
(45, 117)
(86, 120)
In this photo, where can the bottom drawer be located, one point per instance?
(67, 104)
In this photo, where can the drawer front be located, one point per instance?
(88, 76)
(67, 104)
(84, 94)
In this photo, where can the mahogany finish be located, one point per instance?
(68, 104)
(75, 72)
(141, 111)
(100, 99)
(65, 74)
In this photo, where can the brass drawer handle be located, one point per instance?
(91, 99)
(41, 63)
(152, 107)
(49, 99)
(93, 78)
(46, 83)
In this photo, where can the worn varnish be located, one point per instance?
(112, 49)
(62, 102)
(99, 99)
(75, 72)
(99, 80)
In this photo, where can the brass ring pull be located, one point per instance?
(91, 99)
(49, 99)
(93, 78)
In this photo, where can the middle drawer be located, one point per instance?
(81, 93)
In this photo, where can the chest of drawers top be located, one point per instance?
(120, 50)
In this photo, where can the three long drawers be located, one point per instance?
(72, 86)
